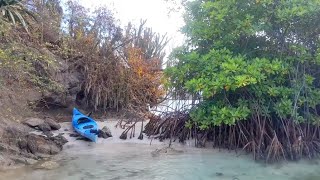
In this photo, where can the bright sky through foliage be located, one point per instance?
(155, 11)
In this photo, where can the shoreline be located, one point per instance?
(81, 157)
(113, 159)
(189, 146)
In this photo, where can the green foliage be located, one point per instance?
(248, 59)
(28, 65)
(14, 11)
(217, 113)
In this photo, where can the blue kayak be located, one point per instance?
(84, 125)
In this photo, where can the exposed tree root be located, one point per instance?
(128, 122)
(264, 138)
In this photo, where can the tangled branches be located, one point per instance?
(262, 137)
(128, 122)
(169, 126)
(121, 69)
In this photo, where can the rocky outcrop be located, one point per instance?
(19, 146)
(39, 145)
(70, 82)
(44, 125)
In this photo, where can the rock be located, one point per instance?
(83, 139)
(102, 134)
(5, 161)
(29, 161)
(59, 140)
(33, 122)
(20, 147)
(66, 129)
(74, 135)
(107, 131)
(53, 124)
(3, 147)
(41, 145)
(23, 160)
(31, 146)
(48, 133)
(49, 165)
(44, 127)
(52, 100)
(166, 150)
(7, 148)
(23, 144)
(219, 174)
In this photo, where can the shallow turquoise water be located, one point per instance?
(135, 162)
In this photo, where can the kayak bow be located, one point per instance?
(84, 125)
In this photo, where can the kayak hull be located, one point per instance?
(84, 125)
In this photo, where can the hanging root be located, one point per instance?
(169, 126)
(124, 134)
(141, 131)
(128, 122)
(266, 139)
(275, 151)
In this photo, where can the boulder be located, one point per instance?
(52, 123)
(59, 140)
(47, 124)
(102, 134)
(219, 174)
(33, 122)
(20, 147)
(107, 131)
(41, 145)
(44, 127)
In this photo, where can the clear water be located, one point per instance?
(115, 159)
(135, 162)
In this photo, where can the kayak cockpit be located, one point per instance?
(88, 127)
(84, 125)
(83, 120)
